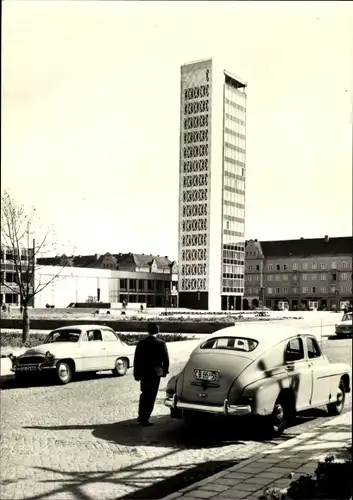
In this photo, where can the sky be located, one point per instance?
(91, 103)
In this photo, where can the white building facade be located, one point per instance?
(211, 187)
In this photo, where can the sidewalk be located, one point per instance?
(248, 479)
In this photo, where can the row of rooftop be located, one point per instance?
(301, 248)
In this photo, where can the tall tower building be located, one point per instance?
(211, 187)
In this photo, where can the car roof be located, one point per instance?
(82, 327)
(266, 335)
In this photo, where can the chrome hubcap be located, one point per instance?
(339, 398)
(63, 372)
(120, 365)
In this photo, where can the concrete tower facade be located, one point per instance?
(211, 187)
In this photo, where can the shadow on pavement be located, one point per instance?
(136, 479)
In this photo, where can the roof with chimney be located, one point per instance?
(305, 247)
(121, 260)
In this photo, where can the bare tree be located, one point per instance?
(22, 250)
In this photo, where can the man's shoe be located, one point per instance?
(144, 423)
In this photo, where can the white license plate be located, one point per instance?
(211, 376)
(29, 368)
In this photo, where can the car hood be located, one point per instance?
(228, 364)
(57, 349)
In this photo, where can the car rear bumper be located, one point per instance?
(226, 409)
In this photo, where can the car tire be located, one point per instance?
(21, 379)
(283, 413)
(64, 372)
(121, 367)
(336, 408)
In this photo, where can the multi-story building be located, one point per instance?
(211, 187)
(136, 278)
(317, 270)
(10, 293)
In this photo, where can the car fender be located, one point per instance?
(265, 392)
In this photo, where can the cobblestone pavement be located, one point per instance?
(81, 441)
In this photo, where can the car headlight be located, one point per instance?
(49, 358)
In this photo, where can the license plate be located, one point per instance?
(29, 368)
(206, 375)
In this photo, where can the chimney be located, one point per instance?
(326, 238)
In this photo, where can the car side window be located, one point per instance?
(109, 336)
(294, 351)
(313, 348)
(94, 336)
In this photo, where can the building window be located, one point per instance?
(250, 290)
(249, 268)
(270, 267)
(333, 265)
(305, 289)
(313, 277)
(285, 266)
(295, 266)
(249, 278)
(305, 265)
(277, 277)
(305, 277)
(285, 290)
(269, 290)
(285, 277)
(334, 277)
(322, 277)
(345, 289)
(345, 264)
(323, 289)
(322, 265)
(141, 284)
(332, 289)
(277, 290)
(149, 285)
(269, 277)
(295, 289)
(123, 284)
(344, 276)
(132, 284)
(257, 268)
(313, 289)
(278, 267)
(314, 265)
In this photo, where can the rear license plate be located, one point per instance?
(29, 368)
(206, 375)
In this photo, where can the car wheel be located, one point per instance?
(283, 413)
(121, 367)
(336, 408)
(64, 372)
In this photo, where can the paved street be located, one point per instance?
(81, 440)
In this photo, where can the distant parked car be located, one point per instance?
(344, 327)
(270, 371)
(72, 349)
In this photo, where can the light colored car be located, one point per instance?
(268, 371)
(73, 349)
(344, 327)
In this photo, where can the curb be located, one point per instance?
(254, 458)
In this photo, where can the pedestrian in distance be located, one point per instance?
(150, 364)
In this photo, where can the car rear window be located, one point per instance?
(230, 343)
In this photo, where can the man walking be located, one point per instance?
(150, 364)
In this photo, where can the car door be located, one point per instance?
(114, 347)
(320, 377)
(299, 372)
(93, 351)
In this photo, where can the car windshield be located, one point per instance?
(231, 343)
(347, 317)
(63, 336)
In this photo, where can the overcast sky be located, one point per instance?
(90, 114)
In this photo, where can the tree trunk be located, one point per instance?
(25, 324)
